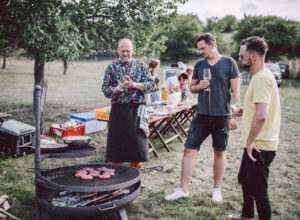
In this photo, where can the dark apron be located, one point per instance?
(126, 142)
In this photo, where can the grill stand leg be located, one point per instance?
(37, 206)
(122, 214)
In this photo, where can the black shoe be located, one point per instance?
(142, 186)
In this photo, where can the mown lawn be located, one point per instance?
(79, 91)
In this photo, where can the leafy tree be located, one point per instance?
(223, 25)
(6, 51)
(55, 29)
(227, 24)
(108, 21)
(211, 24)
(279, 33)
(42, 30)
(220, 42)
(6, 43)
(181, 39)
(296, 49)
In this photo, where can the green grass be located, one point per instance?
(80, 91)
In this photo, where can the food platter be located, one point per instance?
(53, 148)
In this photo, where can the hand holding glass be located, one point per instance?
(207, 76)
(237, 110)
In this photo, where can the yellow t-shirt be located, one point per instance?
(263, 89)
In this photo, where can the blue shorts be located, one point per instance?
(204, 125)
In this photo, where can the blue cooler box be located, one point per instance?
(91, 124)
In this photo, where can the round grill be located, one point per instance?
(63, 178)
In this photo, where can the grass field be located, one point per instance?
(80, 91)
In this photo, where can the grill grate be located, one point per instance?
(64, 177)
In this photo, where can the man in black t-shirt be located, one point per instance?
(213, 113)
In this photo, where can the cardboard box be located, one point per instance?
(90, 122)
(102, 113)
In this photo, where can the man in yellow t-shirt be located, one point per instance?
(261, 125)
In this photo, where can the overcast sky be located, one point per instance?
(289, 9)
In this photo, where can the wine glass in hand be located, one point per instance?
(207, 76)
(237, 110)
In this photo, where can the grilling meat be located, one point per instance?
(82, 171)
(88, 173)
(79, 175)
(103, 169)
(104, 176)
(86, 177)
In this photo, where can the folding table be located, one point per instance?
(159, 125)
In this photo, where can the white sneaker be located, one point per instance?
(216, 195)
(177, 194)
(235, 217)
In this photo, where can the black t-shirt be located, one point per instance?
(221, 73)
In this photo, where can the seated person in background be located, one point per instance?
(194, 97)
(189, 72)
(183, 82)
(154, 66)
(184, 85)
(172, 84)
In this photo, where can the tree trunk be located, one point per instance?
(39, 67)
(65, 66)
(4, 59)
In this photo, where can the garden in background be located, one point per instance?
(80, 91)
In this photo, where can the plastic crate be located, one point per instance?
(88, 119)
(102, 113)
(63, 132)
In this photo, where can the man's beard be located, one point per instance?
(203, 55)
(246, 66)
(126, 60)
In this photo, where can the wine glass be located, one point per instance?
(235, 107)
(206, 76)
(237, 110)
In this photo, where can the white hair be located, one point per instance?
(125, 41)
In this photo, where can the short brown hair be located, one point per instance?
(153, 62)
(207, 37)
(256, 44)
(183, 75)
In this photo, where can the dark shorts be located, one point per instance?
(204, 125)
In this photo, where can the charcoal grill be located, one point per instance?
(49, 183)
(113, 205)
(63, 179)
